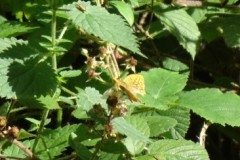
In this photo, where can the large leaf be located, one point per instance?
(182, 26)
(161, 87)
(21, 75)
(99, 22)
(176, 150)
(212, 104)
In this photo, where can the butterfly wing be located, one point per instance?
(135, 82)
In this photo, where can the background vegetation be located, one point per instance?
(114, 79)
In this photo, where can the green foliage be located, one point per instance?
(76, 82)
(109, 27)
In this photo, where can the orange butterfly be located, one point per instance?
(133, 84)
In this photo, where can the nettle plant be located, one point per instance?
(107, 109)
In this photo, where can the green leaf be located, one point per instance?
(48, 102)
(182, 26)
(9, 29)
(182, 116)
(81, 150)
(21, 75)
(159, 124)
(133, 145)
(89, 97)
(6, 43)
(14, 151)
(177, 149)
(55, 141)
(109, 27)
(212, 104)
(124, 127)
(26, 80)
(125, 9)
(175, 65)
(161, 87)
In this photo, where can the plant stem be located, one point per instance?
(68, 91)
(40, 129)
(202, 136)
(54, 56)
(53, 34)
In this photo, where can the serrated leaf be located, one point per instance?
(55, 141)
(124, 127)
(6, 43)
(183, 27)
(14, 151)
(161, 87)
(212, 104)
(159, 124)
(177, 149)
(81, 150)
(182, 116)
(125, 9)
(89, 97)
(109, 27)
(9, 29)
(21, 75)
(133, 145)
(26, 80)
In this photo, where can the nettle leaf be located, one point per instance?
(22, 76)
(6, 43)
(182, 116)
(177, 149)
(182, 26)
(212, 104)
(99, 22)
(14, 151)
(89, 97)
(55, 141)
(161, 87)
(9, 29)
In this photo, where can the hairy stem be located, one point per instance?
(40, 129)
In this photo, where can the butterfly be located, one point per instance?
(133, 84)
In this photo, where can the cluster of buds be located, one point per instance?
(9, 132)
(93, 64)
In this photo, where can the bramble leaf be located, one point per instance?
(183, 27)
(99, 22)
(212, 104)
(177, 149)
(161, 87)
